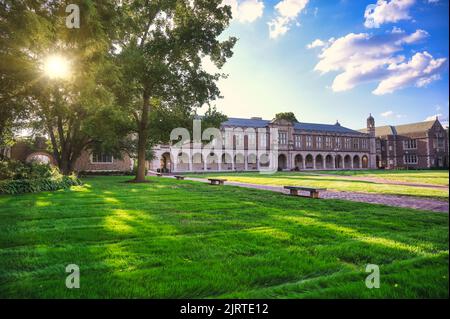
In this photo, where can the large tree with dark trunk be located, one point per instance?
(161, 47)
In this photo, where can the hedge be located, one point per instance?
(20, 186)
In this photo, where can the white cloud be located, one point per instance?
(362, 58)
(287, 12)
(433, 117)
(387, 114)
(419, 71)
(385, 11)
(245, 11)
(316, 44)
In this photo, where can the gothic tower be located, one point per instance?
(372, 142)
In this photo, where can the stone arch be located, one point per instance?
(252, 161)
(329, 162)
(264, 160)
(378, 162)
(282, 162)
(356, 162)
(41, 157)
(338, 162)
(319, 161)
(309, 161)
(212, 161)
(227, 161)
(166, 162)
(298, 161)
(197, 162)
(365, 162)
(239, 162)
(347, 161)
(183, 161)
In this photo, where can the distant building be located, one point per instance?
(299, 146)
(417, 146)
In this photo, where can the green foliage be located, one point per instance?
(15, 170)
(21, 186)
(288, 116)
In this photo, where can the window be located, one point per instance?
(319, 141)
(410, 159)
(355, 143)
(298, 140)
(348, 143)
(282, 138)
(263, 140)
(338, 142)
(101, 158)
(328, 142)
(440, 142)
(239, 140)
(251, 139)
(409, 144)
(309, 141)
(364, 143)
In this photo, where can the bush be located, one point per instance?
(15, 170)
(20, 186)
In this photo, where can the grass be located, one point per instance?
(432, 177)
(338, 183)
(182, 239)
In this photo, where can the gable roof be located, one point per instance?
(402, 129)
(313, 127)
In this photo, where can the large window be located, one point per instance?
(328, 142)
(263, 140)
(348, 143)
(101, 158)
(355, 143)
(410, 144)
(309, 141)
(338, 143)
(410, 159)
(298, 140)
(282, 138)
(319, 141)
(251, 139)
(364, 143)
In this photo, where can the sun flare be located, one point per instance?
(56, 67)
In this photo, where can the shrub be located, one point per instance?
(15, 170)
(20, 186)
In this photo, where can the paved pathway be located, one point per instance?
(389, 200)
(378, 180)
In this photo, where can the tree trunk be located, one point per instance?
(142, 140)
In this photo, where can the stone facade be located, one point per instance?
(253, 144)
(412, 146)
(37, 151)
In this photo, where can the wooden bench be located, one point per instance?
(158, 174)
(313, 192)
(179, 177)
(216, 181)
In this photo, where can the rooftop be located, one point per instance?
(402, 129)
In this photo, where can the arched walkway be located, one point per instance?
(319, 162)
(365, 162)
(182, 162)
(197, 162)
(166, 163)
(338, 162)
(329, 163)
(239, 162)
(212, 162)
(356, 162)
(282, 162)
(227, 162)
(298, 161)
(347, 161)
(309, 161)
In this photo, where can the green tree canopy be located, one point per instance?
(288, 116)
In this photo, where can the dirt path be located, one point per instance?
(389, 200)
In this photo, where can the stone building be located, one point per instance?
(37, 150)
(412, 146)
(253, 144)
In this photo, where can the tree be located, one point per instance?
(288, 116)
(160, 52)
(65, 110)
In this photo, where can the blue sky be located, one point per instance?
(328, 60)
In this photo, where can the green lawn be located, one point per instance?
(182, 239)
(339, 183)
(432, 177)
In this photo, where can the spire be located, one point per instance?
(337, 123)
